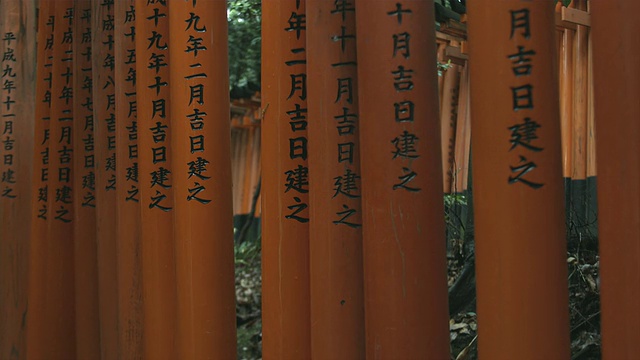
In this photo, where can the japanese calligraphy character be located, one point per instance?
(297, 209)
(297, 22)
(401, 44)
(346, 122)
(156, 16)
(521, 170)
(522, 61)
(154, 40)
(297, 179)
(156, 200)
(132, 194)
(298, 83)
(523, 134)
(194, 191)
(404, 111)
(194, 45)
(522, 97)
(301, 61)
(398, 12)
(345, 152)
(407, 176)
(520, 20)
(196, 92)
(193, 21)
(8, 193)
(343, 37)
(345, 86)
(402, 79)
(63, 195)
(62, 215)
(89, 181)
(111, 183)
(346, 213)
(405, 146)
(196, 119)
(298, 148)
(89, 200)
(342, 7)
(347, 184)
(298, 118)
(159, 132)
(196, 143)
(197, 167)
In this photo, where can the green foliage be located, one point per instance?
(248, 299)
(244, 18)
(451, 200)
(443, 67)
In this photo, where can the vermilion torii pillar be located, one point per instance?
(17, 46)
(285, 182)
(104, 117)
(37, 291)
(156, 179)
(617, 110)
(335, 226)
(84, 198)
(518, 188)
(130, 329)
(201, 136)
(51, 330)
(405, 279)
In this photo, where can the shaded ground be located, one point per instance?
(582, 262)
(584, 304)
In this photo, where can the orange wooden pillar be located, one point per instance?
(156, 179)
(616, 114)
(130, 329)
(463, 133)
(580, 98)
(566, 101)
(403, 227)
(335, 225)
(518, 188)
(37, 293)
(104, 108)
(84, 198)
(285, 183)
(53, 326)
(448, 120)
(16, 138)
(201, 154)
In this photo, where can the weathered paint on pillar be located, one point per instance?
(16, 137)
(448, 119)
(566, 101)
(104, 107)
(463, 133)
(403, 228)
(285, 183)
(580, 98)
(84, 198)
(130, 329)
(156, 179)
(36, 331)
(616, 114)
(518, 188)
(58, 337)
(201, 156)
(592, 168)
(335, 226)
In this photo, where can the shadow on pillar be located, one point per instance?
(582, 212)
